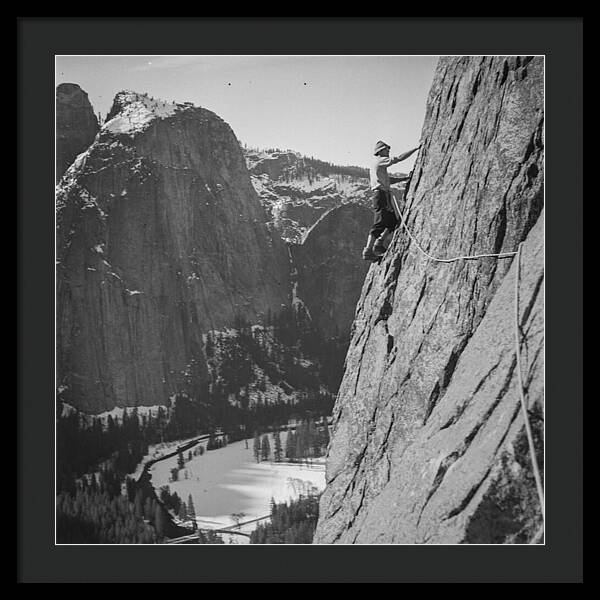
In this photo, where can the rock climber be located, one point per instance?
(385, 220)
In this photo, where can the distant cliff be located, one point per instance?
(296, 190)
(428, 444)
(76, 125)
(160, 237)
(329, 269)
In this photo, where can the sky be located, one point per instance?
(333, 108)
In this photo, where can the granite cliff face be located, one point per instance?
(76, 125)
(428, 444)
(296, 190)
(160, 237)
(329, 270)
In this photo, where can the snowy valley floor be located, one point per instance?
(228, 480)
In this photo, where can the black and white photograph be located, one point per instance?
(285, 286)
(292, 309)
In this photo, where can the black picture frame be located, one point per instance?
(559, 560)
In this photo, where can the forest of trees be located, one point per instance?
(82, 447)
(184, 510)
(99, 510)
(288, 348)
(93, 461)
(308, 440)
(310, 166)
(290, 523)
(123, 444)
(96, 517)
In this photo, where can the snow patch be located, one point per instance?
(117, 412)
(138, 113)
(67, 409)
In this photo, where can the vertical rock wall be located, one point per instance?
(428, 443)
(160, 237)
(329, 267)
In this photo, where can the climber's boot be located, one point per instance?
(368, 254)
(379, 248)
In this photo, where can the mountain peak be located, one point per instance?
(69, 88)
(76, 125)
(133, 112)
(159, 224)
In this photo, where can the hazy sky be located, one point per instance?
(333, 108)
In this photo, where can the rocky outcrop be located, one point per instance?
(297, 191)
(428, 444)
(76, 125)
(329, 269)
(160, 237)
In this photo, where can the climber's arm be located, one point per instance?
(405, 155)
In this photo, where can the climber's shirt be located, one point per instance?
(379, 176)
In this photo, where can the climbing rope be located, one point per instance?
(534, 463)
(445, 260)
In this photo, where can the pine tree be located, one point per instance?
(148, 509)
(191, 511)
(277, 453)
(138, 505)
(290, 445)
(183, 513)
(209, 347)
(130, 486)
(175, 502)
(325, 435)
(180, 460)
(256, 448)
(159, 521)
(300, 443)
(265, 447)
(314, 438)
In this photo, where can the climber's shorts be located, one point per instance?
(384, 218)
